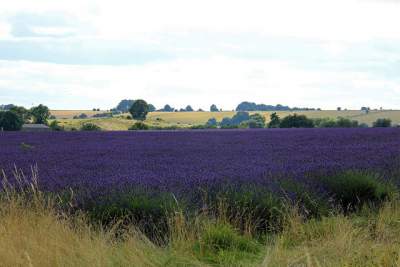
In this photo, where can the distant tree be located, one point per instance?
(382, 123)
(256, 121)
(212, 122)
(274, 121)
(22, 112)
(240, 117)
(339, 109)
(182, 110)
(10, 121)
(167, 108)
(214, 108)
(139, 110)
(325, 123)
(6, 107)
(40, 114)
(189, 108)
(296, 121)
(226, 123)
(152, 108)
(346, 123)
(124, 105)
(200, 110)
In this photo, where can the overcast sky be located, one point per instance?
(92, 53)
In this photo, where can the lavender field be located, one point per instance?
(183, 161)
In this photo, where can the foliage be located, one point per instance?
(256, 121)
(353, 189)
(103, 115)
(10, 121)
(213, 108)
(81, 116)
(275, 121)
(139, 126)
(54, 125)
(139, 110)
(40, 114)
(250, 106)
(189, 108)
(90, 127)
(212, 122)
(167, 108)
(346, 123)
(382, 123)
(22, 112)
(296, 121)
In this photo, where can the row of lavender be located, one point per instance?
(182, 161)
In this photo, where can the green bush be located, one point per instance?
(10, 121)
(382, 123)
(90, 127)
(353, 189)
(139, 126)
(149, 213)
(55, 127)
(296, 121)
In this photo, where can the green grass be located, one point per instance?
(188, 119)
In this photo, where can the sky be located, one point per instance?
(81, 54)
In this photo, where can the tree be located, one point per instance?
(214, 108)
(9, 121)
(212, 122)
(22, 112)
(296, 121)
(152, 108)
(256, 121)
(125, 105)
(339, 109)
(40, 114)
(346, 123)
(382, 123)
(167, 108)
(240, 117)
(139, 110)
(189, 108)
(274, 121)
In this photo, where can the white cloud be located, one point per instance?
(199, 82)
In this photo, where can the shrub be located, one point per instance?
(129, 117)
(382, 123)
(212, 122)
(9, 121)
(139, 126)
(256, 121)
(325, 123)
(346, 123)
(55, 127)
(240, 117)
(353, 189)
(103, 115)
(296, 121)
(90, 127)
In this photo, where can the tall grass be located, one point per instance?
(35, 232)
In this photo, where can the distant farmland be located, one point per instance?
(187, 119)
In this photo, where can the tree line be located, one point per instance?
(13, 117)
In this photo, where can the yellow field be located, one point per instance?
(69, 114)
(186, 119)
